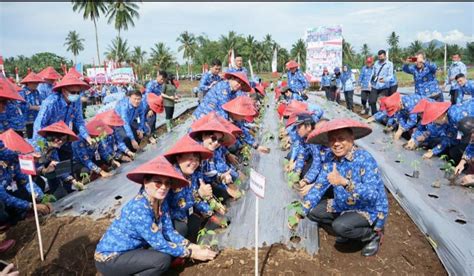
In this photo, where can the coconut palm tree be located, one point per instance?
(348, 53)
(74, 44)
(122, 13)
(394, 48)
(138, 58)
(118, 50)
(431, 51)
(298, 51)
(415, 47)
(91, 10)
(365, 51)
(188, 46)
(229, 42)
(161, 56)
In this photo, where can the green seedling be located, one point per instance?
(203, 233)
(297, 207)
(85, 178)
(293, 178)
(47, 198)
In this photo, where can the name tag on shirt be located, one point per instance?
(191, 210)
(70, 124)
(97, 155)
(459, 136)
(13, 186)
(19, 111)
(138, 119)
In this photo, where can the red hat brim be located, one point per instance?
(291, 64)
(111, 118)
(31, 78)
(155, 103)
(96, 128)
(15, 142)
(159, 166)
(59, 127)
(433, 111)
(188, 145)
(320, 134)
(70, 80)
(294, 106)
(214, 126)
(420, 106)
(49, 73)
(393, 103)
(242, 105)
(241, 76)
(9, 90)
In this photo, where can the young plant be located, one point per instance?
(47, 198)
(400, 158)
(85, 178)
(293, 178)
(297, 207)
(203, 233)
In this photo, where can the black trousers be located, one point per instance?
(364, 97)
(349, 96)
(169, 110)
(29, 130)
(393, 89)
(189, 229)
(136, 262)
(349, 225)
(374, 95)
(454, 95)
(327, 90)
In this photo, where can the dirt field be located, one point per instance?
(70, 243)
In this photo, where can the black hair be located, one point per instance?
(216, 62)
(460, 75)
(466, 126)
(163, 74)
(237, 55)
(382, 52)
(135, 92)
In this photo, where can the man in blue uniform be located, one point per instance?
(296, 81)
(210, 78)
(424, 75)
(465, 87)
(457, 67)
(132, 112)
(32, 104)
(364, 82)
(380, 80)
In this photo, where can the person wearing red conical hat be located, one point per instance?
(238, 109)
(145, 221)
(55, 136)
(8, 95)
(360, 207)
(11, 114)
(215, 137)
(33, 101)
(188, 205)
(400, 107)
(49, 75)
(221, 93)
(14, 191)
(115, 142)
(296, 80)
(64, 105)
(95, 157)
(364, 80)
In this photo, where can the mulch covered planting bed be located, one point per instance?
(69, 245)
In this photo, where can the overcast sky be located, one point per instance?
(28, 28)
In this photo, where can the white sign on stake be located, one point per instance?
(257, 184)
(27, 166)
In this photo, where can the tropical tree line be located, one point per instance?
(432, 50)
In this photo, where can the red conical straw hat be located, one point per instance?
(236, 131)
(158, 166)
(58, 127)
(433, 111)
(96, 127)
(420, 106)
(393, 103)
(49, 73)
(215, 126)
(155, 102)
(70, 80)
(188, 145)
(320, 134)
(242, 76)
(260, 89)
(9, 90)
(110, 118)
(31, 78)
(294, 106)
(15, 142)
(243, 106)
(291, 64)
(281, 109)
(292, 119)
(73, 72)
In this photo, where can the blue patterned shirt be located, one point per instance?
(32, 98)
(386, 72)
(297, 82)
(206, 80)
(426, 83)
(454, 69)
(219, 94)
(364, 77)
(45, 89)
(131, 114)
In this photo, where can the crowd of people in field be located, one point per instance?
(187, 187)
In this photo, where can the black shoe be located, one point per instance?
(373, 246)
(342, 240)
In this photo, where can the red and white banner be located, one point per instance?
(27, 164)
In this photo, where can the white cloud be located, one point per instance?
(374, 11)
(453, 36)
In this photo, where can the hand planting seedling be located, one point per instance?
(205, 234)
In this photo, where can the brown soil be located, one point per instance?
(69, 245)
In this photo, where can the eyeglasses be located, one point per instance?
(214, 139)
(56, 138)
